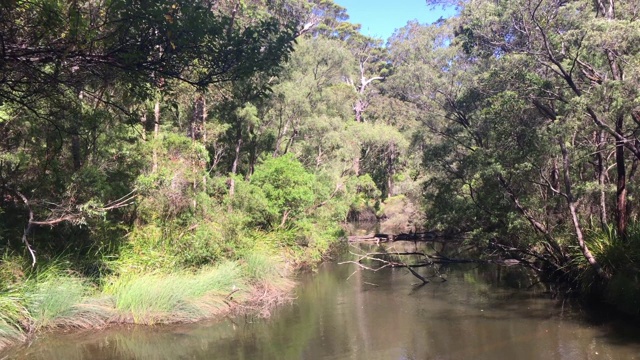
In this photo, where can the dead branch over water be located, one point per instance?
(418, 236)
(391, 259)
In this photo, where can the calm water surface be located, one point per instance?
(342, 314)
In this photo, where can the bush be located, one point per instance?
(287, 186)
(619, 258)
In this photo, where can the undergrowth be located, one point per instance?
(50, 297)
(619, 258)
(190, 251)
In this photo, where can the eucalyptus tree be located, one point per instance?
(528, 105)
(475, 134)
(310, 112)
(578, 64)
(330, 20)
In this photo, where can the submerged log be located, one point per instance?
(418, 236)
(363, 238)
(423, 236)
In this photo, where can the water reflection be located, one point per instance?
(374, 316)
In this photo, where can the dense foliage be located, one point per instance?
(143, 142)
(530, 112)
(157, 137)
(153, 137)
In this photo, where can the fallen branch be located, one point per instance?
(420, 236)
(27, 229)
(393, 264)
(432, 259)
(62, 214)
(516, 255)
(385, 265)
(414, 273)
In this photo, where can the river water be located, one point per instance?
(480, 312)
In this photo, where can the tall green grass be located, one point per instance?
(12, 315)
(261, 268)
(48, 297)
(162, 274)
(174, 297)
(53, 298)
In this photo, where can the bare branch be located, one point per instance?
(27, 229)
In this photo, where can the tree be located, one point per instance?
(75, 77)
(287, 186)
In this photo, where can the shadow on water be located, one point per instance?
(480, 312)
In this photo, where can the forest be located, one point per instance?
(161, 158)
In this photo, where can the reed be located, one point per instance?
(12, 314)
(162, 298)
(49, 297)
(261, 268)
(53, 298)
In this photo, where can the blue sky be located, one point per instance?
(379, 18)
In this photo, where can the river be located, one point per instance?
(480, 312)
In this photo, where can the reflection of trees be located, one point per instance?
(465, 318)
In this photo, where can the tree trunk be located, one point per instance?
(362, 103)
(156, 132)
(290, 141)
(253, 151)
(76, 150)
(282, 130)
(574, 213)
(621, 185)
(196, 130)
(143, 121)
(602, 176)
(359, 108)
(236, 159)
(391, 168)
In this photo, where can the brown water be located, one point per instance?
(339, 314)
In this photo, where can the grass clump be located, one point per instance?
(149, 298)
(619, 258)
(159, 298)
(47, 297)
(261, 268)
(54, 298)
(12, 316)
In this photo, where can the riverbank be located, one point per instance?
(57, 300)
(338, 316)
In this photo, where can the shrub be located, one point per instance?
(287, 186)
